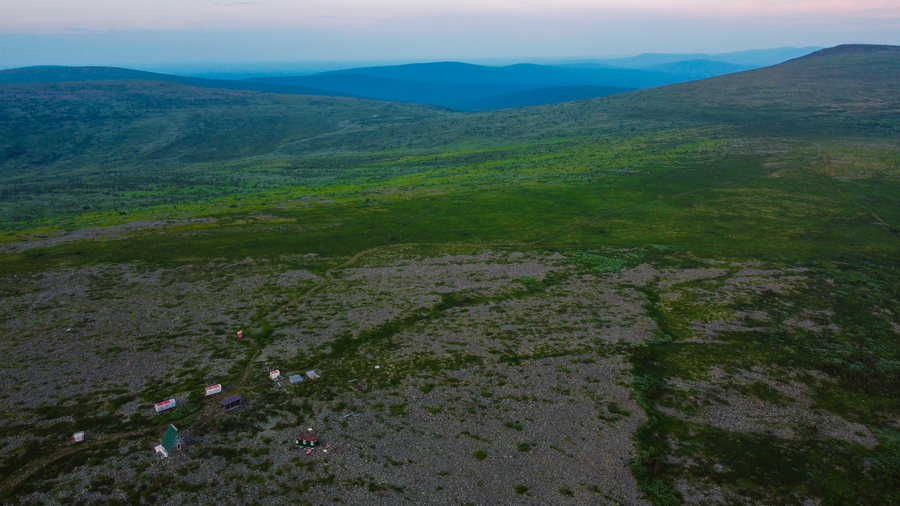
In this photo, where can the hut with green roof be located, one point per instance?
(172, 439)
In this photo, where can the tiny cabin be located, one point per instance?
(232, 402)
(213, 389)
(307, 441)
(164, 405)
(274, 375)
(79, 437)
(172, 440)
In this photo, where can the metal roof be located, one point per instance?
(233, 398)
(296, 378)
(170, 438)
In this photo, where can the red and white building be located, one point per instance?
(164, 405)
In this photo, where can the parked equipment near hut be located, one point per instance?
(295, 378)
(164, 405)
(232, 402)
(312, 375)
(213, 389)
(274, 375)
(79, 437)
(307, 441)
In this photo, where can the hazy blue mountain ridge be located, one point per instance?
(752, 58)
(467, 87)
(523, 74)
(50, 74)
(455, 85)
(698, 69)
(395, 90)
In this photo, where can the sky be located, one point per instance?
(160, 33)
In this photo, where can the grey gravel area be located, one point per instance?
(708, 494)
(125, 327)
(559, 422)
(159, 322)
(718, 403)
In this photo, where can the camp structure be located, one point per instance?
(172, 440)
(162, 450)
(164, 405)
(295, 378)
(213, 389)
(232, 402)
(78, 437)
(312, 375)
(307, 441)
(274, 375)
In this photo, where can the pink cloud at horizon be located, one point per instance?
(48, 16)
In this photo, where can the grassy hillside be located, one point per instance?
(537, 96)
(829, 92)
(667, 296)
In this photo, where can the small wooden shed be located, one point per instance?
(232, 402)
(307, 441)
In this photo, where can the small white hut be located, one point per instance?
(164, 405)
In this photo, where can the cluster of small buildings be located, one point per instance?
(172, 440)
(294, 378)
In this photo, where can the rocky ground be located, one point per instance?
(520, 394)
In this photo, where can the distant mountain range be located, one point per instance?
(466, 87)
(54, 74)
(460, 86)
(754, 58)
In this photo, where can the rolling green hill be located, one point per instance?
(840, 90)
(663, 296)
(537, 96)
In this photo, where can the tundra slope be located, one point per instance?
(705, 296)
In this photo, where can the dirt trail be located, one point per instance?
(204, 413)
(33, 466)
